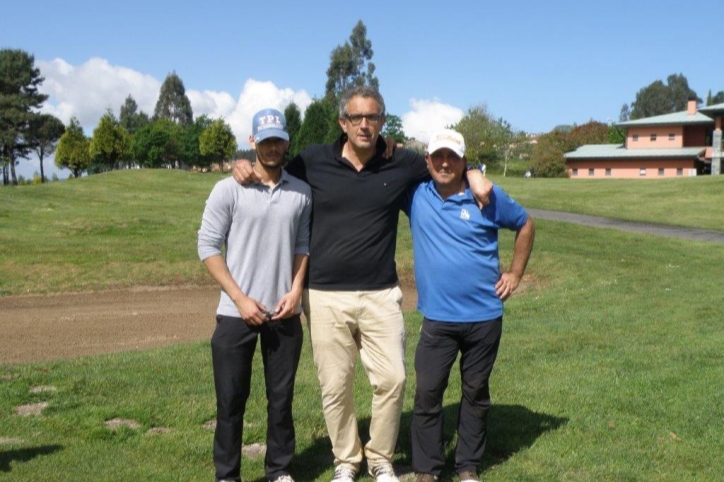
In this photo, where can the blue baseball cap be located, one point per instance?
(269, 123)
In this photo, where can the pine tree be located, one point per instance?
(172, 102)
(294, 124)
(73, 150)
(351, 65)
(315, 126)
(130, 117)
(19, 100)
(44, 133)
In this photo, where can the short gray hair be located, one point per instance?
(364, 91)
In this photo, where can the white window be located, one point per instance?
(635, 137)
(591, 172)
(672, 137)
(608, 171)
(661, 171)
(653, 137)
(679, 171)
(575, 171)
(642, 171)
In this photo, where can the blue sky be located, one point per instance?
(536, 64)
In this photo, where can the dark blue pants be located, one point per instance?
(436, 352)
(232, 349)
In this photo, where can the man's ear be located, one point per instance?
(342, 124)
(252, 143)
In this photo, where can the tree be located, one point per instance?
(486, 139)
(680, 92)
(718, 98)
(73, 151)
(294, 123)
(110, 142)
(172, 102)
(351, 64)
(130, 117)
(547, 157)
(616, 135)
(315, 126)
(393, 128)
(19, 99)
(218, 142)
(334, 130)
(658, 98)
(156, 144)
(625, 113)
(592, 132)
(491, 141)
(43, 135)
(189, 152)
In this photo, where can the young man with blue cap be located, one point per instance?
(461, 289)
(265, 230)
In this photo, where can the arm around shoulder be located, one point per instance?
(244, 172)
(480, 186)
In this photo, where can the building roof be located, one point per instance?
(677, 118)
(713, 109)
(618, 151)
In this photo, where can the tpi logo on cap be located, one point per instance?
(270, 122)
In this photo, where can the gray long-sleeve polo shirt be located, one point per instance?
(263, 229)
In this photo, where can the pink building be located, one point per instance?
(671, 145)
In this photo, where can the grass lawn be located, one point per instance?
(610, 365)
(692, 201)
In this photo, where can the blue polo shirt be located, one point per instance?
(456, 252)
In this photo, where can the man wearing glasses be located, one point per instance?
(353, 303)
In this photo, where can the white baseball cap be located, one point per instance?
(447, 138)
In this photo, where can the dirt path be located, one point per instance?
(41, 328)
(696, 234)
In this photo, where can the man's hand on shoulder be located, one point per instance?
(244, 172)
(390, 146)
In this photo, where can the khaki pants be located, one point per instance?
(341, 324)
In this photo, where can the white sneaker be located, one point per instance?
(384, 473)
(283, 478)
(344, 474)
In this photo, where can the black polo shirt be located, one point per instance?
(355, 214)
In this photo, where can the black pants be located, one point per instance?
(436, 352)
(232, 350)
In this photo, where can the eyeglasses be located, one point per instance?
(356, 119)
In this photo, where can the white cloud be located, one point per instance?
(213, 104)
(86, 91)
(257, 95)
(428, 116)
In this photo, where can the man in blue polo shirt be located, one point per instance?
(461, 290)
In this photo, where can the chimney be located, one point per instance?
(691, 106)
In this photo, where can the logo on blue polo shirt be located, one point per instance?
(464, 214)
